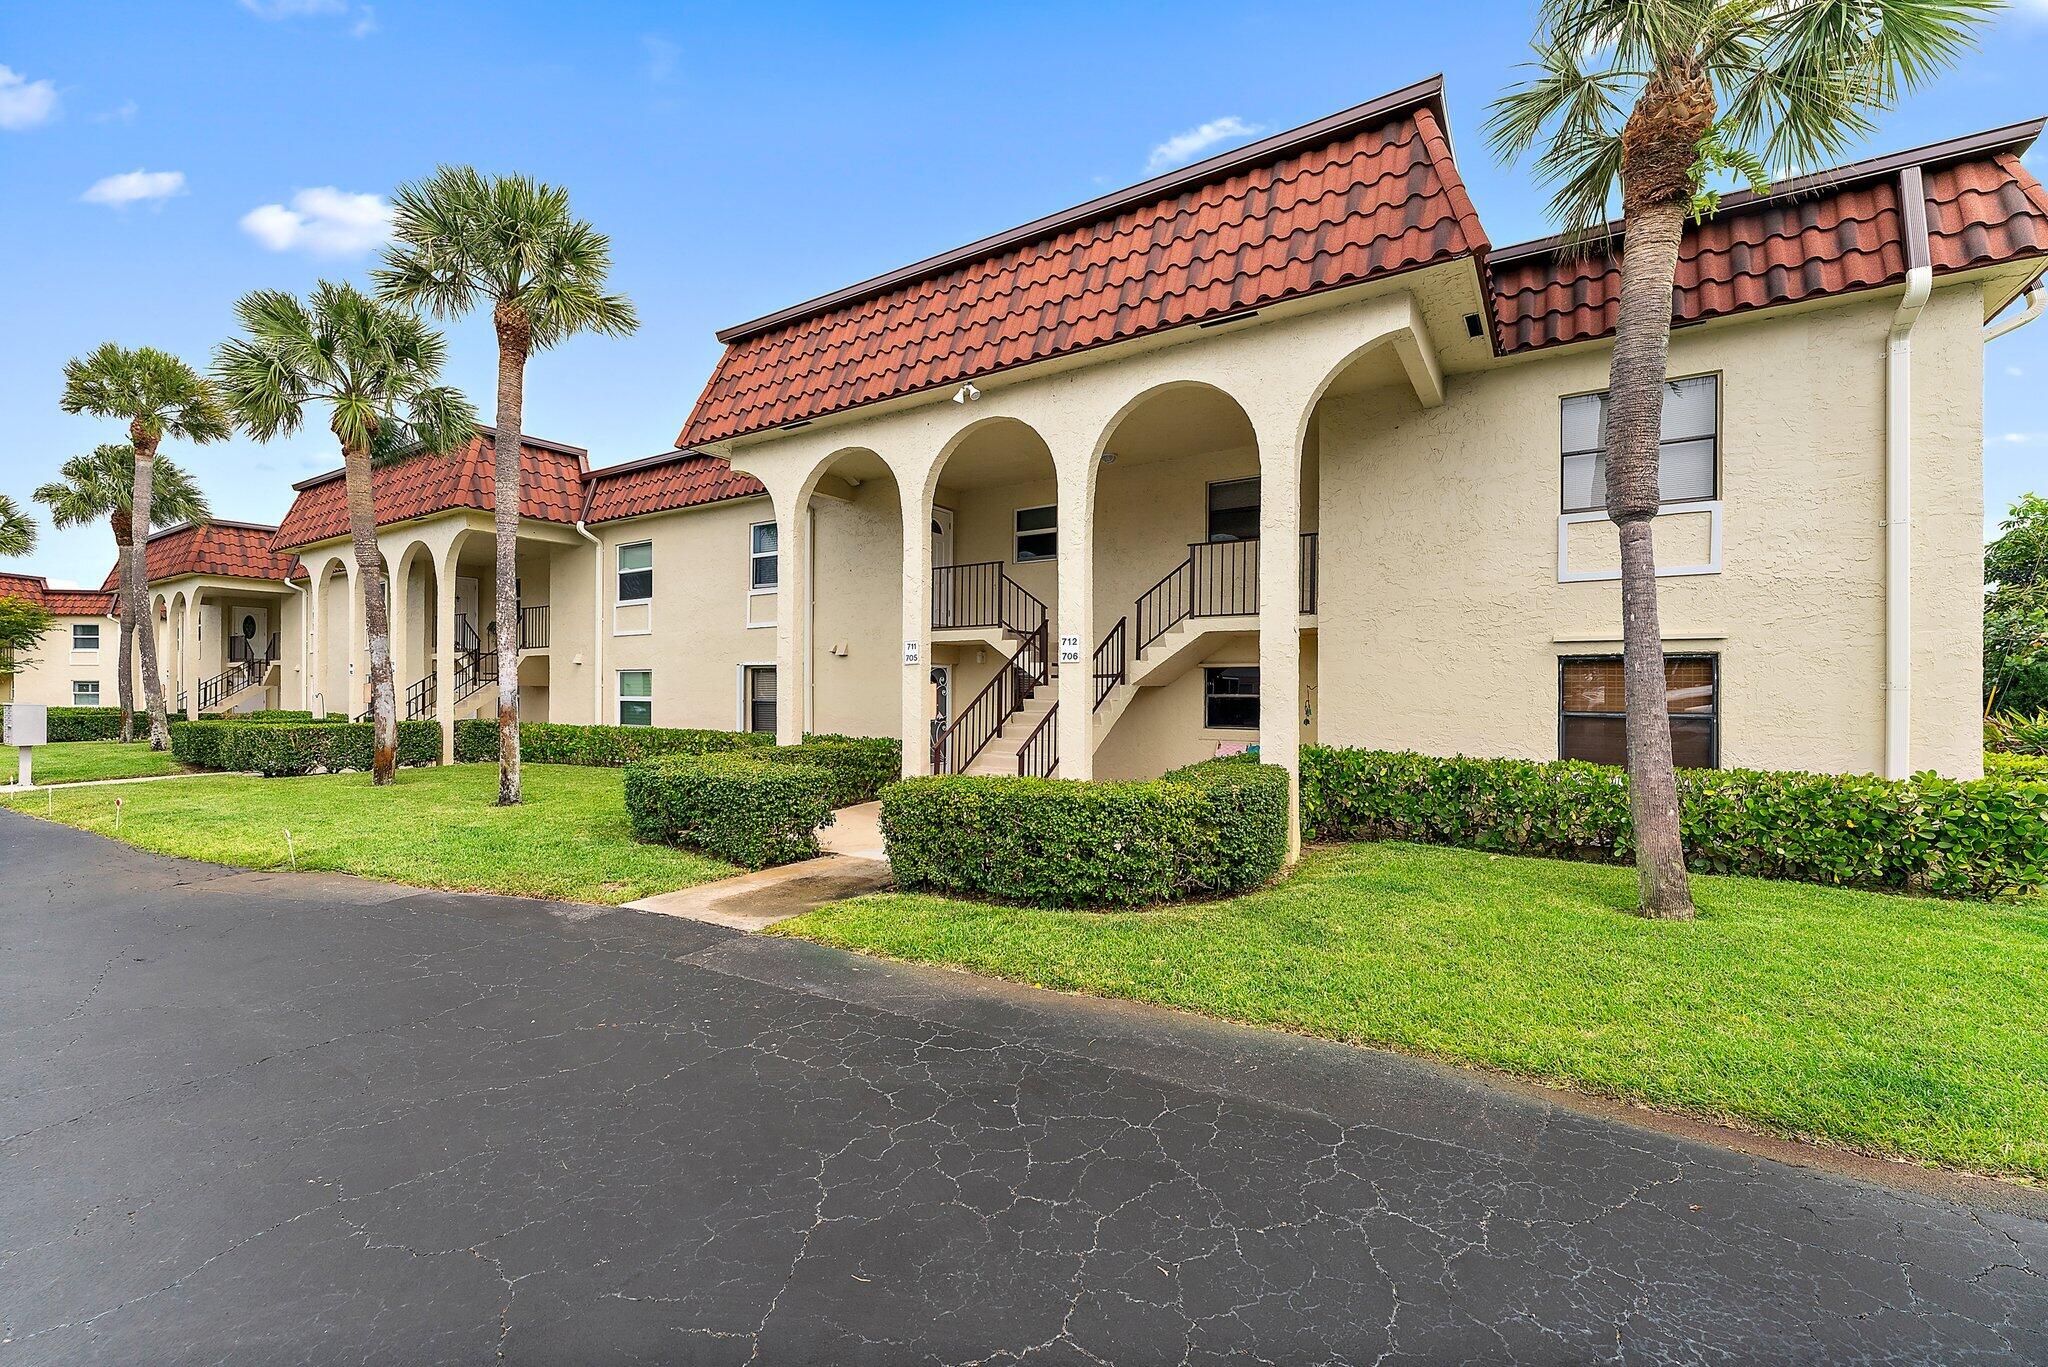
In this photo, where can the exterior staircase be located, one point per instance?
(1024, 736)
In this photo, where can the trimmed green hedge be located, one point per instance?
(541, 742)
(2018, 768)
(1925, 834)
(1211, 828)
(861, 766)
(90, 723)
(739, 807)
(277, 749)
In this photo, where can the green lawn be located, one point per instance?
(436, 828)
(75, 761)
(1898, 1025)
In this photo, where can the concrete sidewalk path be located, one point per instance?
(854, 862)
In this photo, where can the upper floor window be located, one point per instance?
(636, 572)
(85, 635)
(1038, 536)
(1688, 453)
(764, 569)
(1234, 510)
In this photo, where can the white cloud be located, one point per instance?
(324, 221)
(1184, 147)
(293, 9)
(365, 24)
(24, 103)
(2015, 371)
(2023, 438)
(124, 112)
(663, 55)
(63, 583)
(135, 187)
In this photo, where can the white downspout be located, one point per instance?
(305, 630)
(2036, 296)
(596, 625)
(811, 621)
(1898, 483)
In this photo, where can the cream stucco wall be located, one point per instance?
(1442, 618)
(48, 680)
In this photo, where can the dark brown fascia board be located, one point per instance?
(2019, 135)
(1426, 92)
(581, 453)
(658, 458)
(211, 522)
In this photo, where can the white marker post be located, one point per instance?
(25, 725)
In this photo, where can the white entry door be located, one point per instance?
(942, 536)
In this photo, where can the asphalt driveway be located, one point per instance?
(269, 1118)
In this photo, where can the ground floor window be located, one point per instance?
(1230, 698)
(636, 697)
(85, 692)
(759, 698)
(1592, 724)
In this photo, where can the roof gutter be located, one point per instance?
(1898, 481)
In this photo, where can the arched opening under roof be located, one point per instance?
(851, 672)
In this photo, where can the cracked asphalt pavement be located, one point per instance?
(271, 1118)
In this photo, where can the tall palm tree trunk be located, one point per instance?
(515, 338)
(124, 542)
(362, 530)
(1658, 149)
(138, 584)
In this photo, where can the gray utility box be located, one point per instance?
(23, 724)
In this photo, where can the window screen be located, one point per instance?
(1592, 723)
(1687, 454)
(1234, 510)
(1037, 534)
(636, 572)
(636, 697)
(764, 570)
(85, 635)
(1230, 698)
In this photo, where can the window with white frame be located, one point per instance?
(764, 569)
(1038, 534)
(85, 692)
(85, 635)
(636, 572)
(636, 697)
(1688, 451)
(760, 699)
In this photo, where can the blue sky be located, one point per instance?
(159, 159)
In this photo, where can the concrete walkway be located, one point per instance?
(257, 1117)
(855, 861)
(8, 788)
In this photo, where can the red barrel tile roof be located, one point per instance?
(551, 489)
(673, 479)
(232, 550)
(34, 588)
(1832, 235)
(1368, 192)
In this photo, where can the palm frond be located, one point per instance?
(17, 528)
(91, 488)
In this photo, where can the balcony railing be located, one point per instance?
(533, 628)
(983, 595)
(1218, 579)
(419, 699)
(1311, 569)
(981, 720)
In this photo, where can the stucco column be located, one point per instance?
(444, 650)
(403, 664)
(188, 657)
(793, 591)
(916, 645)
(358, 700)
(1279, 607)
(1074, 647)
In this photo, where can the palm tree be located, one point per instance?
(375, 368)
(465, 239)
(101, 484)
(1654, 97)
(17, 529)
(159, 396)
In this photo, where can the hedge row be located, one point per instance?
(737, 806)
(860, 766)
(608, 747)
(1215, 827)
(1925, 834)
(89, 723)
(277, 749)
(2020, 768)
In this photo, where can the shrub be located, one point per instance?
(735, 806)
(861, 766)
(476, 739)
(90, 723)
(1210, 828)
(2018, 768)
(277, 749)
(1927, 834)
(2017, 733)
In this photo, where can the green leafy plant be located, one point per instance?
(1210, 828)
(738, 807)
(281, 749)
(1926, 834)
(860, 766)
(608, 747)
(17, 529)
(22, 627)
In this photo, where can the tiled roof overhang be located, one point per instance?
(34, 588)
(227, 550)
(1365, 193)
(1830, 234)
(551, 488)
(663, 483)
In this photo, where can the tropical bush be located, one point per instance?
(541, 742)
(87, 723)
(2019, 768)
(1925, 834)
(737, 806)
(278, 749)
(1211, 828)
(861, 766)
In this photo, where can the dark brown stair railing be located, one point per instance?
(1112, 662)
(1311, 569)
(419, 699)
(983, 718)
(1040, 753)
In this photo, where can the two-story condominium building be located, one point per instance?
(1272, 449)
(73, 666)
